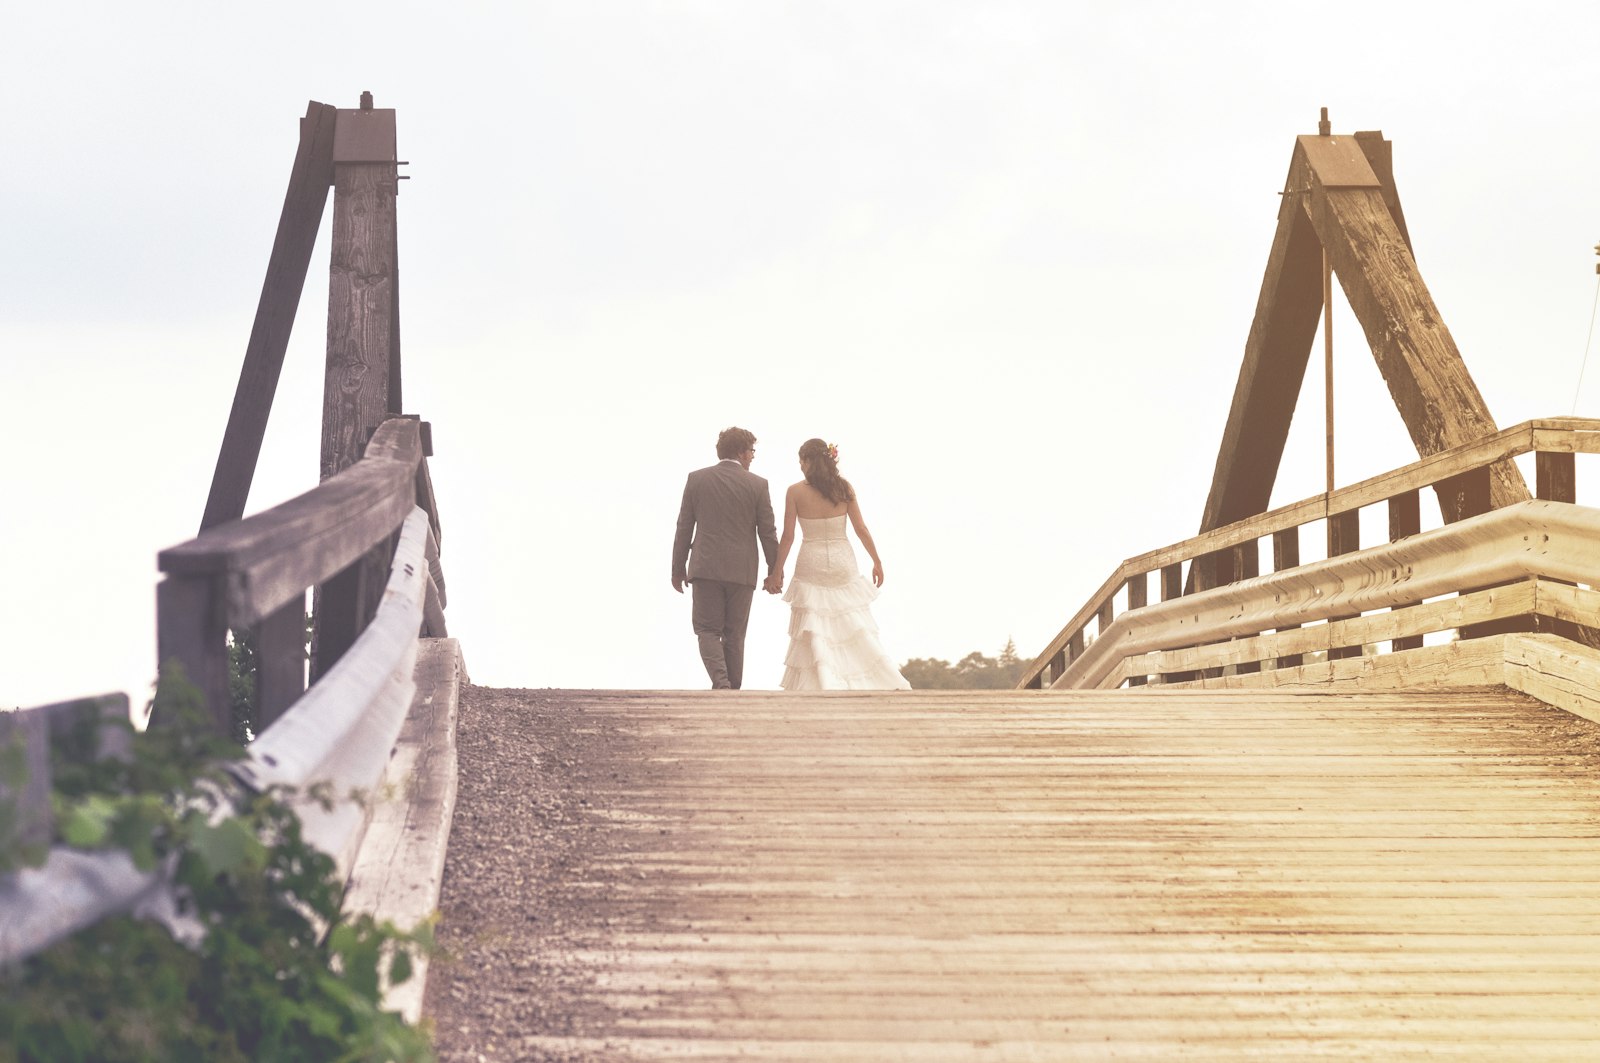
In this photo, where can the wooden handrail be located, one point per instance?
(254, 572)
(1454, 469)
(1527, 540)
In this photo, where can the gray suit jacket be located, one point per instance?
(722, 506)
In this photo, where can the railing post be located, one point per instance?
(1138, 597)
(1172, 581)
(1344, 537)
(1405, 519)
(280, 661)
(1556, 475)
(190, 630)
(1285, 555)
(1464, 495)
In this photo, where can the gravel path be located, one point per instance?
(522, 850)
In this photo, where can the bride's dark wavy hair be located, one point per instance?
(822, 472)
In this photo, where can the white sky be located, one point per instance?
(1004, 253)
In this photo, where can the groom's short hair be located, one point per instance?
(734, 441)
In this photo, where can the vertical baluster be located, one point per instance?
(1172, 581)
(190, 631)
(1138, 598)
(1344, 537)
(280, 661)
(1557, 476)
(1286, 555)
(1405, 518)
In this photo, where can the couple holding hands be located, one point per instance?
(833, 640)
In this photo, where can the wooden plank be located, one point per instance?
(1447, 614)
(1556, 475)
(1573, 435)
(1556, 671)
(1561, 600)
(1459, 557)
(1436, 396)
(729, 880)
(273, 556)
(290, 260)
(1103, 615)
(397, 872)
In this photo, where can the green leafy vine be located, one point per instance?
(280, 974)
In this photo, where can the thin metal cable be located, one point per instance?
(1589, 339)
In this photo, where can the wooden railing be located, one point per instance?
(1183, 638)
(252, 575)
(375, 520)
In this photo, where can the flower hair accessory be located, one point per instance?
(833, 452)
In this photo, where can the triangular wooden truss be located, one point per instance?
(1340, 195)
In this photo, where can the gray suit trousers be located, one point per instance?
(721, 614)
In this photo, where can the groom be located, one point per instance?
(725, 509)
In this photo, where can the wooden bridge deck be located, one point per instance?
(997, 876)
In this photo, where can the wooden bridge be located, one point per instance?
(1338, 804)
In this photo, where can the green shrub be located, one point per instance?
(280, 974)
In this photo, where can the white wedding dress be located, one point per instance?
(833, 640)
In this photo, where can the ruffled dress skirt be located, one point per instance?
(833, 640)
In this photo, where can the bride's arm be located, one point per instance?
(774, 582)
(860, 525)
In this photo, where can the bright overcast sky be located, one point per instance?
(1005, 254)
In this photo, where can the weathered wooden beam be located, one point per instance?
(191, 630)
(361, 386)
(1380, 156)
(361, 286)
(287, 266)
(1275, 356)
(1417, 356)
(280, 661)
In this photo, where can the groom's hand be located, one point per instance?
(677, 584)
(773, 584)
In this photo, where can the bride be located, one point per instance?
(833, 641)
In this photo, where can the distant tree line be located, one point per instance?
(973, 672)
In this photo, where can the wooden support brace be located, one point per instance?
(303, 207)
